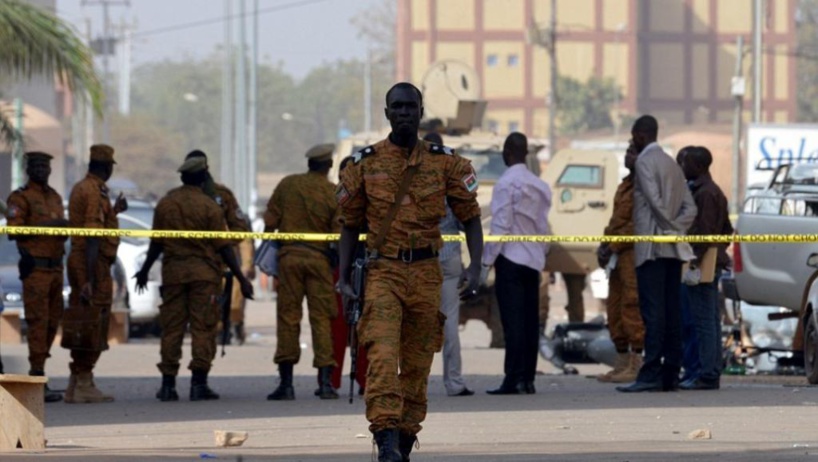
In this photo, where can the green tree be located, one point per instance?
(35, 42)
(807, 64)
(585, 106)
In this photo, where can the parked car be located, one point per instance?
(143, 308)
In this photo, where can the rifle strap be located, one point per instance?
(386, 223)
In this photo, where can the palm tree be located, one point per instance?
(35, 42)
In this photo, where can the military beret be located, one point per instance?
(102, 153)
(321, 152)
(193, 165)
(37, 156)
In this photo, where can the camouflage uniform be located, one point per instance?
(32, 205)
(402, 327)
(624, 318)
(304, 203)
(89, 206)
(191, 274)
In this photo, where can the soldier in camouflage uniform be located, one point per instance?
(624, 319)
(305, 203)
(191, 275)
(402, 327)
(85, 323)
(237, 221)
(41, 265)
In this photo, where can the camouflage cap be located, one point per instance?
(102, 153)
(35, 156)
(193, 165)
(321, 152)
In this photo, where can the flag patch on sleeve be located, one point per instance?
(341, 194)
(470, 181)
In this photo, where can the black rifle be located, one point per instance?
(227, 297)
(353, 310)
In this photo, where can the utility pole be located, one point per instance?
(368, 91)
(552, 100)
(240, 175)
(106, 49)
(253, 117)
(125, 71)
(227, 97)
(738, 90)
(758, 25)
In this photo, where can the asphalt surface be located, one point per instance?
(571, 418)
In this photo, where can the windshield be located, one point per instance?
(488, 164)
(803, 174)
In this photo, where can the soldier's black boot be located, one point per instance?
(285, 391)
(168, 390)
(325, 390)
(406, 441)
(49, 396)
(199, 391)
(387, 441)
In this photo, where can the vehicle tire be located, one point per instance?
(811, 349)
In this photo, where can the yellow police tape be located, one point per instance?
(313, 237)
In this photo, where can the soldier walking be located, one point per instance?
(305, 203)
(399, 187)
(41, 261)
(85, 323)
(624, 320)
(191, 275)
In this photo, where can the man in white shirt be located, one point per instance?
(519, 206)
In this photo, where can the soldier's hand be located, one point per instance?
(347, 292)
(472, 282)
(87, 292)
(246, 288)
(141, 281)
(251, 273)
(121, 204)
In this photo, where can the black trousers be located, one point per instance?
(659, 282)
(518, 297)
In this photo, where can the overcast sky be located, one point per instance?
(301, 34)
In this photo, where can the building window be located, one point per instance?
(492, 126)
(491, 61)
(513, 126)
(513, 60)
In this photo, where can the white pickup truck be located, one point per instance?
(781, 274)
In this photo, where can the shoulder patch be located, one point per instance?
(13, 211)
(363, 154)
(440, 149)
(218, 199)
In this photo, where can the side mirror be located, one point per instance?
(812, 261)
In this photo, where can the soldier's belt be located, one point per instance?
(318, 237)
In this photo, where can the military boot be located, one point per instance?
(629, 374)
(387, 441)
(199, 391)
(325, 390)
(49, 396)
(168, 390)
(69, 390)
(86, 391)
(285, 391)
(241, 334)
(623, 361)
(406, 442)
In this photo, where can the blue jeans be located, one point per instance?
(690, 341)
(658, 284)
(703, 301)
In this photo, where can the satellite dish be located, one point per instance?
(445, 85)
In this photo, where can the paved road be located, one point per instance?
(571, 418)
